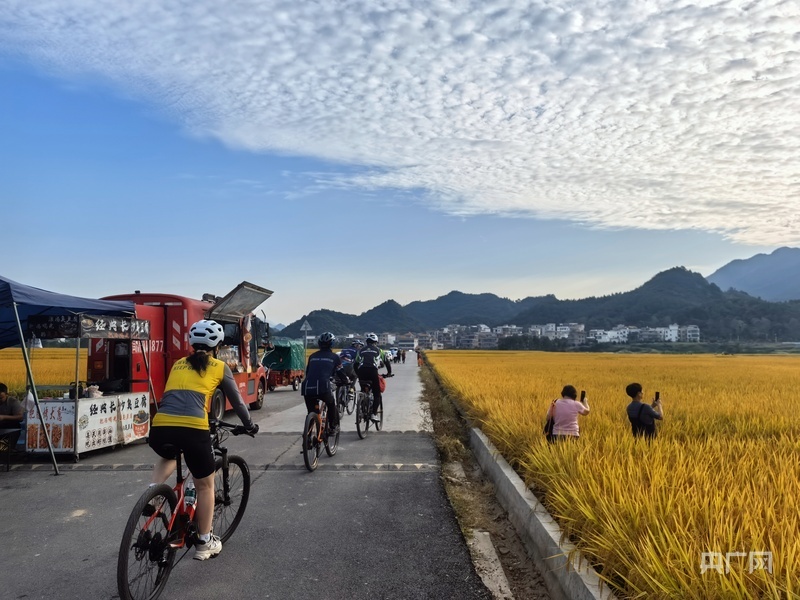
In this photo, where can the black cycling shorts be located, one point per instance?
(198, 454)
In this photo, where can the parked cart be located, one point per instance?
(285, 361)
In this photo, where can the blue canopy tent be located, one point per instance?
(18, 302)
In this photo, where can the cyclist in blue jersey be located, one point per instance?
(323, 366)
(367, 362)
(348, 356)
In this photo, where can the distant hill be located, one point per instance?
(774, 277)
(673, 296)
(676, 295)
(457, 307)
(323, 320)
(389, 316)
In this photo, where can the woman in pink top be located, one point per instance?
(565, 413)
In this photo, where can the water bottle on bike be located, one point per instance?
(190, 495)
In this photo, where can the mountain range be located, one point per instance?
(722, 310)
(772, 277)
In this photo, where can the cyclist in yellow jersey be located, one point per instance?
(182, 422)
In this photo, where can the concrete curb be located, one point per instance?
(488, 565)
(565, 572)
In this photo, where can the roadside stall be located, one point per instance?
(86, 417)
(18, 303)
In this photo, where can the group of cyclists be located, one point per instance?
(399, 356)
(358, 362)
(181, 423)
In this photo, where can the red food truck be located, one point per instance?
(122, 365)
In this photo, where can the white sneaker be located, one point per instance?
(208, 550)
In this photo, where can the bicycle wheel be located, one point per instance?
(332, 442)
(311, 441)
(229, 507)
(362, 415)
(350, 405)
(341, 400)
(370, 400)
(145, 556)
(379, 422)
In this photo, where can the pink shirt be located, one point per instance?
(565, 416)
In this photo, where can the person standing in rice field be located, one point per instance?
(565, 412)
(643, 416)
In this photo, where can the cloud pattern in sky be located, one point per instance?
(615, 114)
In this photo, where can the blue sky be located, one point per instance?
(353, 152)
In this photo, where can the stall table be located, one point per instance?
(77, 422)
(89, 423)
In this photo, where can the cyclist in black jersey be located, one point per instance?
(323, 365)
(367, 362)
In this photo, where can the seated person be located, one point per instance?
(11, 415)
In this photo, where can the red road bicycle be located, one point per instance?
(162, 524)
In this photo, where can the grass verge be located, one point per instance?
(472, 496)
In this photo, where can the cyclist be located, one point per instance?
(348, 356)
(323, 366)
(182, 422)
(367, 362)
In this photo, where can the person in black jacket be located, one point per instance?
(323, 366)
(642, 416)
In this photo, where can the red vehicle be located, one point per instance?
(122, 365)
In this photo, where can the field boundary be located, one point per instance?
(565, 571)
(567, 574)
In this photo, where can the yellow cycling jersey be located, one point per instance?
(187, 395)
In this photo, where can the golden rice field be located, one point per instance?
(723, 475)
(50, 366)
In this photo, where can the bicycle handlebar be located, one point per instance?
(234, 429)
(241, 429)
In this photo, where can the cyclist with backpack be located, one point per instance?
(367, 362)
(182, 422)
(323, 366)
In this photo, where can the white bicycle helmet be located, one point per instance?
(371, 337)
(326, 340)
(208, 333)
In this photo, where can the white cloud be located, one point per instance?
(662, 115)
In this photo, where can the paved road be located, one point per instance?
(371, 522)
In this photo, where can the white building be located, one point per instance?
(508, 330)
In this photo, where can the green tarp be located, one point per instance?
(286, 355)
